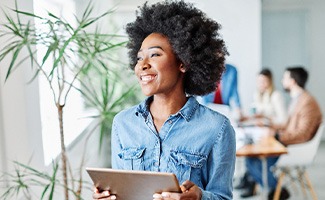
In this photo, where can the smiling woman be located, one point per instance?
(176, 53)
(161, 74)
(158, 70)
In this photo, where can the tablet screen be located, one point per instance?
(135, 185)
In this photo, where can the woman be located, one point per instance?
(171, 45)
(269, 103)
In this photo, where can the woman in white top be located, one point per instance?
(269, 103)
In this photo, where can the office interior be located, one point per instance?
(272, 33)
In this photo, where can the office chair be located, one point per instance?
(299, 157)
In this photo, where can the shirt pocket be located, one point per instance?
(186, 166)
(132, 158)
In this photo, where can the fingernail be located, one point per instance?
(164, 194)
(113, 197)
(105, 193)
(156, 196)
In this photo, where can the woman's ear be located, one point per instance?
(182, 68)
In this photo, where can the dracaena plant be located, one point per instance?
(69, 54)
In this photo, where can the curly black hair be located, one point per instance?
(193, 36)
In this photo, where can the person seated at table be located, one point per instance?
(226, 92)
(268, 102)
(304, 118)
(269, 107)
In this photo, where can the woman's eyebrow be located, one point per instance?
(153, 47)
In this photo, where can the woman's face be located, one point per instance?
(157, 69)
(263, 83)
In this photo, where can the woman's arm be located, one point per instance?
(115, 147)
(221, 166)
(279, 108)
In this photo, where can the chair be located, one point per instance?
(299, 157)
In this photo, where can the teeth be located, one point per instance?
(147, 78)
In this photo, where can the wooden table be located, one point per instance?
(265, 147)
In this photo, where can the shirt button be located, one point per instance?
(170, 121)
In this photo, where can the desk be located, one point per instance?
(265, 147)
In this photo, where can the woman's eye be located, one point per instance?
(154, 55)
(139, 58)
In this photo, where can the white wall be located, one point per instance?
(20, 122)
(317, 33)
(20, 111)
(3, 165)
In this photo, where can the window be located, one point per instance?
(73, 126)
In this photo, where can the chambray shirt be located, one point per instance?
(196, 144)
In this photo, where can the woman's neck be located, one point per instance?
(162, 107)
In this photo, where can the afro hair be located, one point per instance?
(193, 36)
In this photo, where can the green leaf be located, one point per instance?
(44, 191)
(48, 52)
(123, 96)
(54, 16)
(14, 27)
(13, 60)
(53, 180)
(8, 48)
(27, 13)
(87, 11)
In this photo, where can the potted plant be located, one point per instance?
(72, 55)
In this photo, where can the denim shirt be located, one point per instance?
(196, 144)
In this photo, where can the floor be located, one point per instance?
(316, 173)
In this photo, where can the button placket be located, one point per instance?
(157, 152)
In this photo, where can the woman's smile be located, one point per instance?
(147, 78)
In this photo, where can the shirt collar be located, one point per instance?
(186, 111)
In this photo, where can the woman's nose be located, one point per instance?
(145, 66)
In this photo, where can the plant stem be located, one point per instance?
(63, 151)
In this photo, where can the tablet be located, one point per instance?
(135, 185)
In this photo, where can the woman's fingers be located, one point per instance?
(190, 189)
(105, 195)
(111, 197)
(167, 196)
(186, 185)
(157, 196)
(171, 195)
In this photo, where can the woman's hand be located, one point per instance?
(260, 122)
(104, 195)
(258, 116)
(190, 191)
